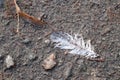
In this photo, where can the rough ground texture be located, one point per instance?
(97, 20)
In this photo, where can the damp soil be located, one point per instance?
(97, 20)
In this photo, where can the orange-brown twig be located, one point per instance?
(31, 18)
(21, 13)
(98, 60)
(17, 11)
(27, 16)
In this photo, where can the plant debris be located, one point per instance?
(49, 62)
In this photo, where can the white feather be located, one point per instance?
(75, 44)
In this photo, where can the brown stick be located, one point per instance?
(98, 60)
(31, 18)
(27, 16)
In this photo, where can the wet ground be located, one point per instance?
(97, 20)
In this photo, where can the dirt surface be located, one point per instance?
(97, 20)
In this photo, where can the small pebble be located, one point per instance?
(47, 41)
(26, 41)
(39, 38)
(49, 62)
(32, 56)
(106, 30)
(9, 61)
(103, 38)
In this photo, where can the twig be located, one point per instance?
(97, 59)
(26, 16)
(18, 24)
(17, 11)
(21, 13)
(31, 18)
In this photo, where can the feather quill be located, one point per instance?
(75, 44)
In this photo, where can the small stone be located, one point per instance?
(106, 30)
(9, 61)
(26, 41)
(49, 62)
(103, 38)
(98, 42)
(32, 56)
(47, 41)
(39, 38)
